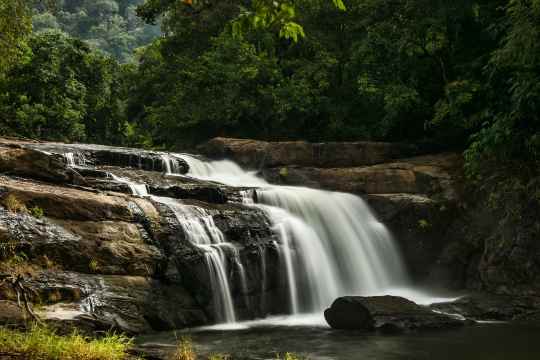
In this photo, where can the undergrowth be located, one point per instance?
(42, 343)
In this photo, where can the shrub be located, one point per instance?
(94, 266)
(36, 212)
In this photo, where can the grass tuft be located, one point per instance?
(13, 204)
(40, 342)
(184, 350)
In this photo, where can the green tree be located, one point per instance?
(108, 25)
(15, 26)
(64, 91)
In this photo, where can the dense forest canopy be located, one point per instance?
(456, 74)
(109, 25)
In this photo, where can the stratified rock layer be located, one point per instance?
(97, 257)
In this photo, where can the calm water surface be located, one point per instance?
(484, 341)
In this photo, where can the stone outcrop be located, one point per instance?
(100, 155)
(384, 313)
(15, 160)
(101, 257)
(261, 154)
(430, 175)
(98, 257)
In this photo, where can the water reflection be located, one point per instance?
(484, 341)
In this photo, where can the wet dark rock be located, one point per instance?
(419, 224)
(100, 155)
(245, 227)
(207, 194)
(384, 313)
(130, 303)
(492, 307)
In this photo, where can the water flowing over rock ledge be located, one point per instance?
(130, 239)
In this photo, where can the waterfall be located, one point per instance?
(331, 244)
(170, 164)
(75, 159)
(136, 188)
(201, 231)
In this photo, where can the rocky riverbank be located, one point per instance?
(93, 255)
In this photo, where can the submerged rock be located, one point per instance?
(384, 313)
(491, 307)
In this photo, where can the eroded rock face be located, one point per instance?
(37, 164)
(101, 257)
(259, 154)
(129, 303)
(384, 313)
(100, 155)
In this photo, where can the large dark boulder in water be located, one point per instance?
(384, 313)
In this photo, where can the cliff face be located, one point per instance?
(447, 234)
(95, 256)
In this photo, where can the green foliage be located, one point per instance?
(109, 25)
(15, 26)
(43, 343)
(64, 91)
(36, 212)
(512, 129)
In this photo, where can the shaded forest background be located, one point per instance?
(453, 74)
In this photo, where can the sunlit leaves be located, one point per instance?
(15, 25)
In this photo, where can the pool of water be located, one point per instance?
(263, 340)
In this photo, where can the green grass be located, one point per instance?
(41, 343)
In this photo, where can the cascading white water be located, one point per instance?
(70, 159)
(136, 188)
(331, 244)
(170, 164)
(75, 159)
(200, 229)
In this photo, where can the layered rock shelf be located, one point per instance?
(96, 255)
